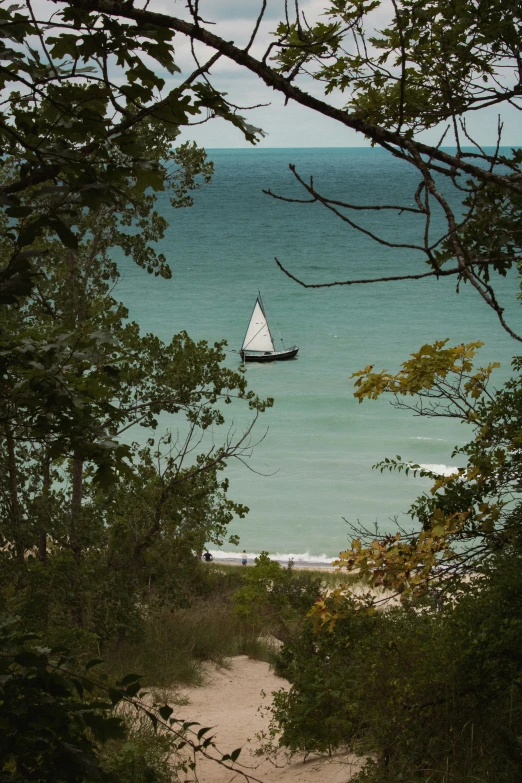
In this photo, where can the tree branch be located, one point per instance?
(274, 79)
(438, 273)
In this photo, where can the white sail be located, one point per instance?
(258, 337)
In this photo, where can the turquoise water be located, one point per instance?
(320, 444)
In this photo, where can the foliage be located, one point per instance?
(74, 371)
(468, 515)
(317, 713)
(59, 723)
(89, 88)
(275, 598)
(54, 721)
(431, 66)
(421, 693)
(428, 369)
(143, 755)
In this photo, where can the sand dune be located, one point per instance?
(232, 700)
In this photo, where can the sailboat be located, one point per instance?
(258, 345)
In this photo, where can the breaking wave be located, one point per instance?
(442, 470)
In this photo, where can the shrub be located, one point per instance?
(424, 694)
(274, 598)
(53, 722)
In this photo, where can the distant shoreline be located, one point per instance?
(301, 565)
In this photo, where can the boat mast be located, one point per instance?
(245, 347)
(261, 305)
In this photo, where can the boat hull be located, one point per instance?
(276, 356)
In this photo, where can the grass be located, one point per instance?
(330, 578)
(176, 642)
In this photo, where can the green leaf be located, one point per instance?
(68, 238)
(94, 662)
(27, 658)
(19, 211)
(128, 679)
(165, 711)
(133, 689)
(203, 731)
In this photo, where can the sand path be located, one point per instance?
(232, 701)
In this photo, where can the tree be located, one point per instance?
(86, 142)
(432, 64)
(78, 378)
(466, 517)
(38, 376)
(77, 374)
(84, 125)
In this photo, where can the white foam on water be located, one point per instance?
(280, 557)
(419, 437)
(441, 470)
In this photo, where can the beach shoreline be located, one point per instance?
(301, 565)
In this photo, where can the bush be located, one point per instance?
(424, 694)
(274, 599)
(54, 722)
(82, 606)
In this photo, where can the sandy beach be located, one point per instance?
(233, 700)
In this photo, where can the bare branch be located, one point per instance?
(256, 27)
(393, 278)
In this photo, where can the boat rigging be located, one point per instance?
(258, 345)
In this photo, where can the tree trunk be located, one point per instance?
(16, 515)
(42, 544)
(154, 529)
(76, 506)
(76, 503)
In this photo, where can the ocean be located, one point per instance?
(310, 476)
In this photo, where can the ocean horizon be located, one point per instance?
(311, 473)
